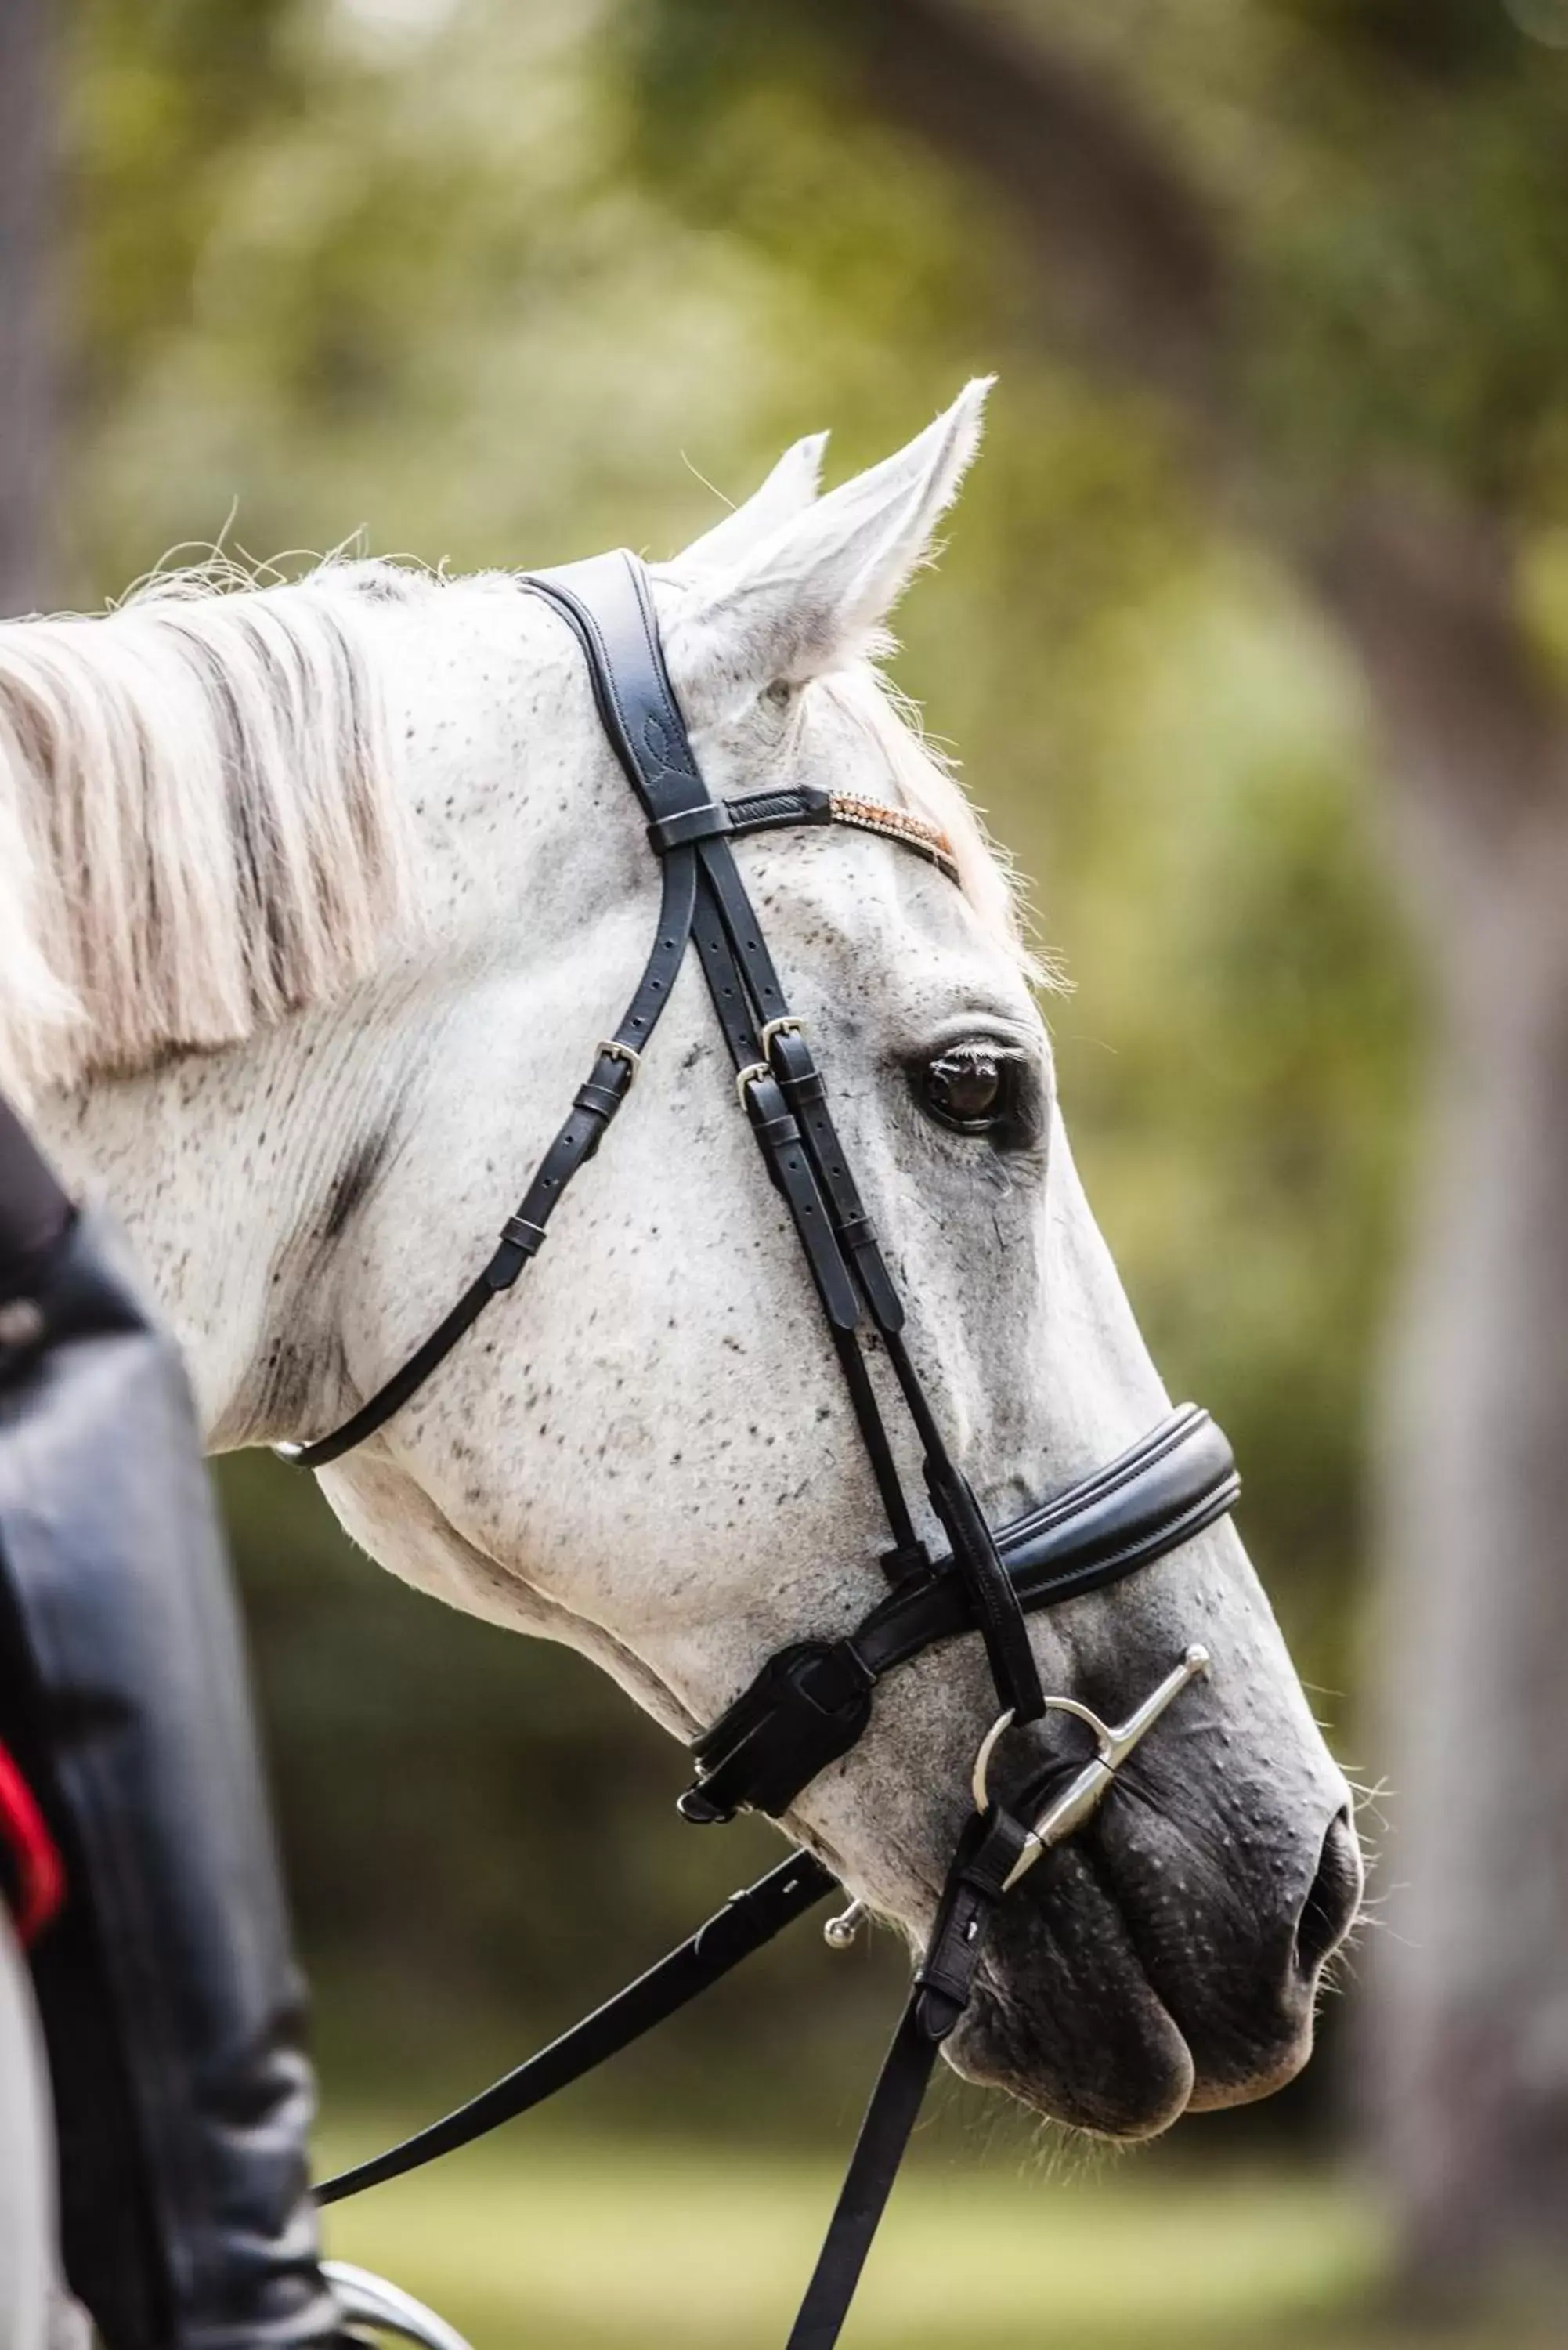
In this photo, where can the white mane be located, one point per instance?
(199, 827)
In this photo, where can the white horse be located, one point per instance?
(314, 900)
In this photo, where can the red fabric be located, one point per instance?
(39, 1872)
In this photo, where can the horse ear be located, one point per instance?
(788, 491)
(816, 591)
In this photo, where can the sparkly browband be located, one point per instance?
(773, 811)
(896, 823)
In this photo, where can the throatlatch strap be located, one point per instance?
(597, 1101)
(746, 1923)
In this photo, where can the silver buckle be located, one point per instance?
(788, 1026)
(1114, 1742)
(747, 1077)
(610, 1048)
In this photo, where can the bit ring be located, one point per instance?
(1113, 1742)
(1104, 1738)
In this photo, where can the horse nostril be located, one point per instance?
(1329, 1910)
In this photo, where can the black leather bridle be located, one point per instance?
(813, 1700)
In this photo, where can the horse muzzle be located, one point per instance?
(1167, 1959)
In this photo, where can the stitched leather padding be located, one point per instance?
(773, 1741)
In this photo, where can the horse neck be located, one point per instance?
(227, 1173)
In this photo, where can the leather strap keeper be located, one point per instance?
(687, 824)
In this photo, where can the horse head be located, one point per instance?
(645, 1450)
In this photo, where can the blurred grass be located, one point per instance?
(605, 2245)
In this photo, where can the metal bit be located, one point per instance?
(1113, 1743)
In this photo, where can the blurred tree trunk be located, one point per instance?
(1471, 1983)
(27, 341)
(1473, 2040)
(1472, 1980)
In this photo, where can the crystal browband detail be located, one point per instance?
(896, 823)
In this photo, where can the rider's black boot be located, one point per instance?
(170, 2003)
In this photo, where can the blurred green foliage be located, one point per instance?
(377, 264)
(596, 2249)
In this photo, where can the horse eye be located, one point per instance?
(970, 1087)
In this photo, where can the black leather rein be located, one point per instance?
(813, 1700)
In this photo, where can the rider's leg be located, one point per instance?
(35, 2312)
(170, 1999)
